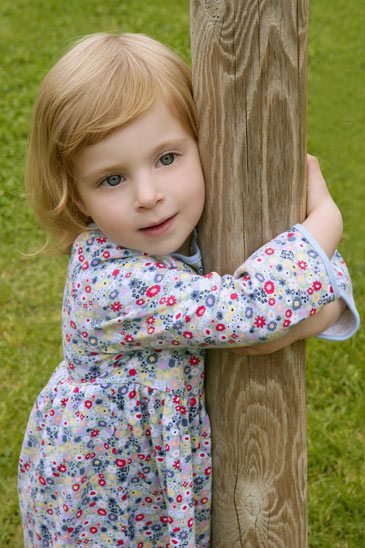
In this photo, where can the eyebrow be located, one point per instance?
(170, 143)
(165, 145)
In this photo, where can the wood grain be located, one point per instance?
(249, 78)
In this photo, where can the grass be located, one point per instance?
(32, 36)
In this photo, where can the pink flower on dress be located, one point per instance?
(269, 287)
(116, 306)
(152, 291)
(166, 519)
(260, 321)
(200, 310)
(139, 517)
(302, 264)
(317, 285)
(171, 300)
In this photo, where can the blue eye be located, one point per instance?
(167, 159)
(112, 180)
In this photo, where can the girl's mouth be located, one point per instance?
(160, 228)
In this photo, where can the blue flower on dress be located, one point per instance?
(210, 300)
(113, 517)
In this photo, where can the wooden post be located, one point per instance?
(249, 77)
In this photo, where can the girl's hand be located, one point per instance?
(317, 191)
(324, 220)
(264, 348)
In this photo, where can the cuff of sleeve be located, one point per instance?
(326, 261)
(349, 322)
(347, 325)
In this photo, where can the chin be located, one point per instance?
(164, 248)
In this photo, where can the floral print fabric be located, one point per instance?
(117, 450)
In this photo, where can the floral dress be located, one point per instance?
(117, 450)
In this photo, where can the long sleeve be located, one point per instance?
(118, 299)
(349, 321)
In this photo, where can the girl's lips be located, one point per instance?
(160, 228)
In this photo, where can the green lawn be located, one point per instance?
(32, 35)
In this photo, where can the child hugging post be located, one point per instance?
(117, 448)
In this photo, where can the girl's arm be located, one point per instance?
(324, 219)
(122, 300)
(323, 227)
(308, 328)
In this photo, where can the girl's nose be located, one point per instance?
(147, 193)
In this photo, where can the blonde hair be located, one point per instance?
(104, 82)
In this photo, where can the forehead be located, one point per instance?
(157, 128)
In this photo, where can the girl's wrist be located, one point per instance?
(326, 226)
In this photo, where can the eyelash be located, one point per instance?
(108, 177)
(174, 154)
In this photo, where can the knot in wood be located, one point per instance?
(215, 9)
(252, 505)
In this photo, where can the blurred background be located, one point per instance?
(33, 35)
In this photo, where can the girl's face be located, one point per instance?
(143, 185)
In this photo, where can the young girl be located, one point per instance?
(117, 449)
